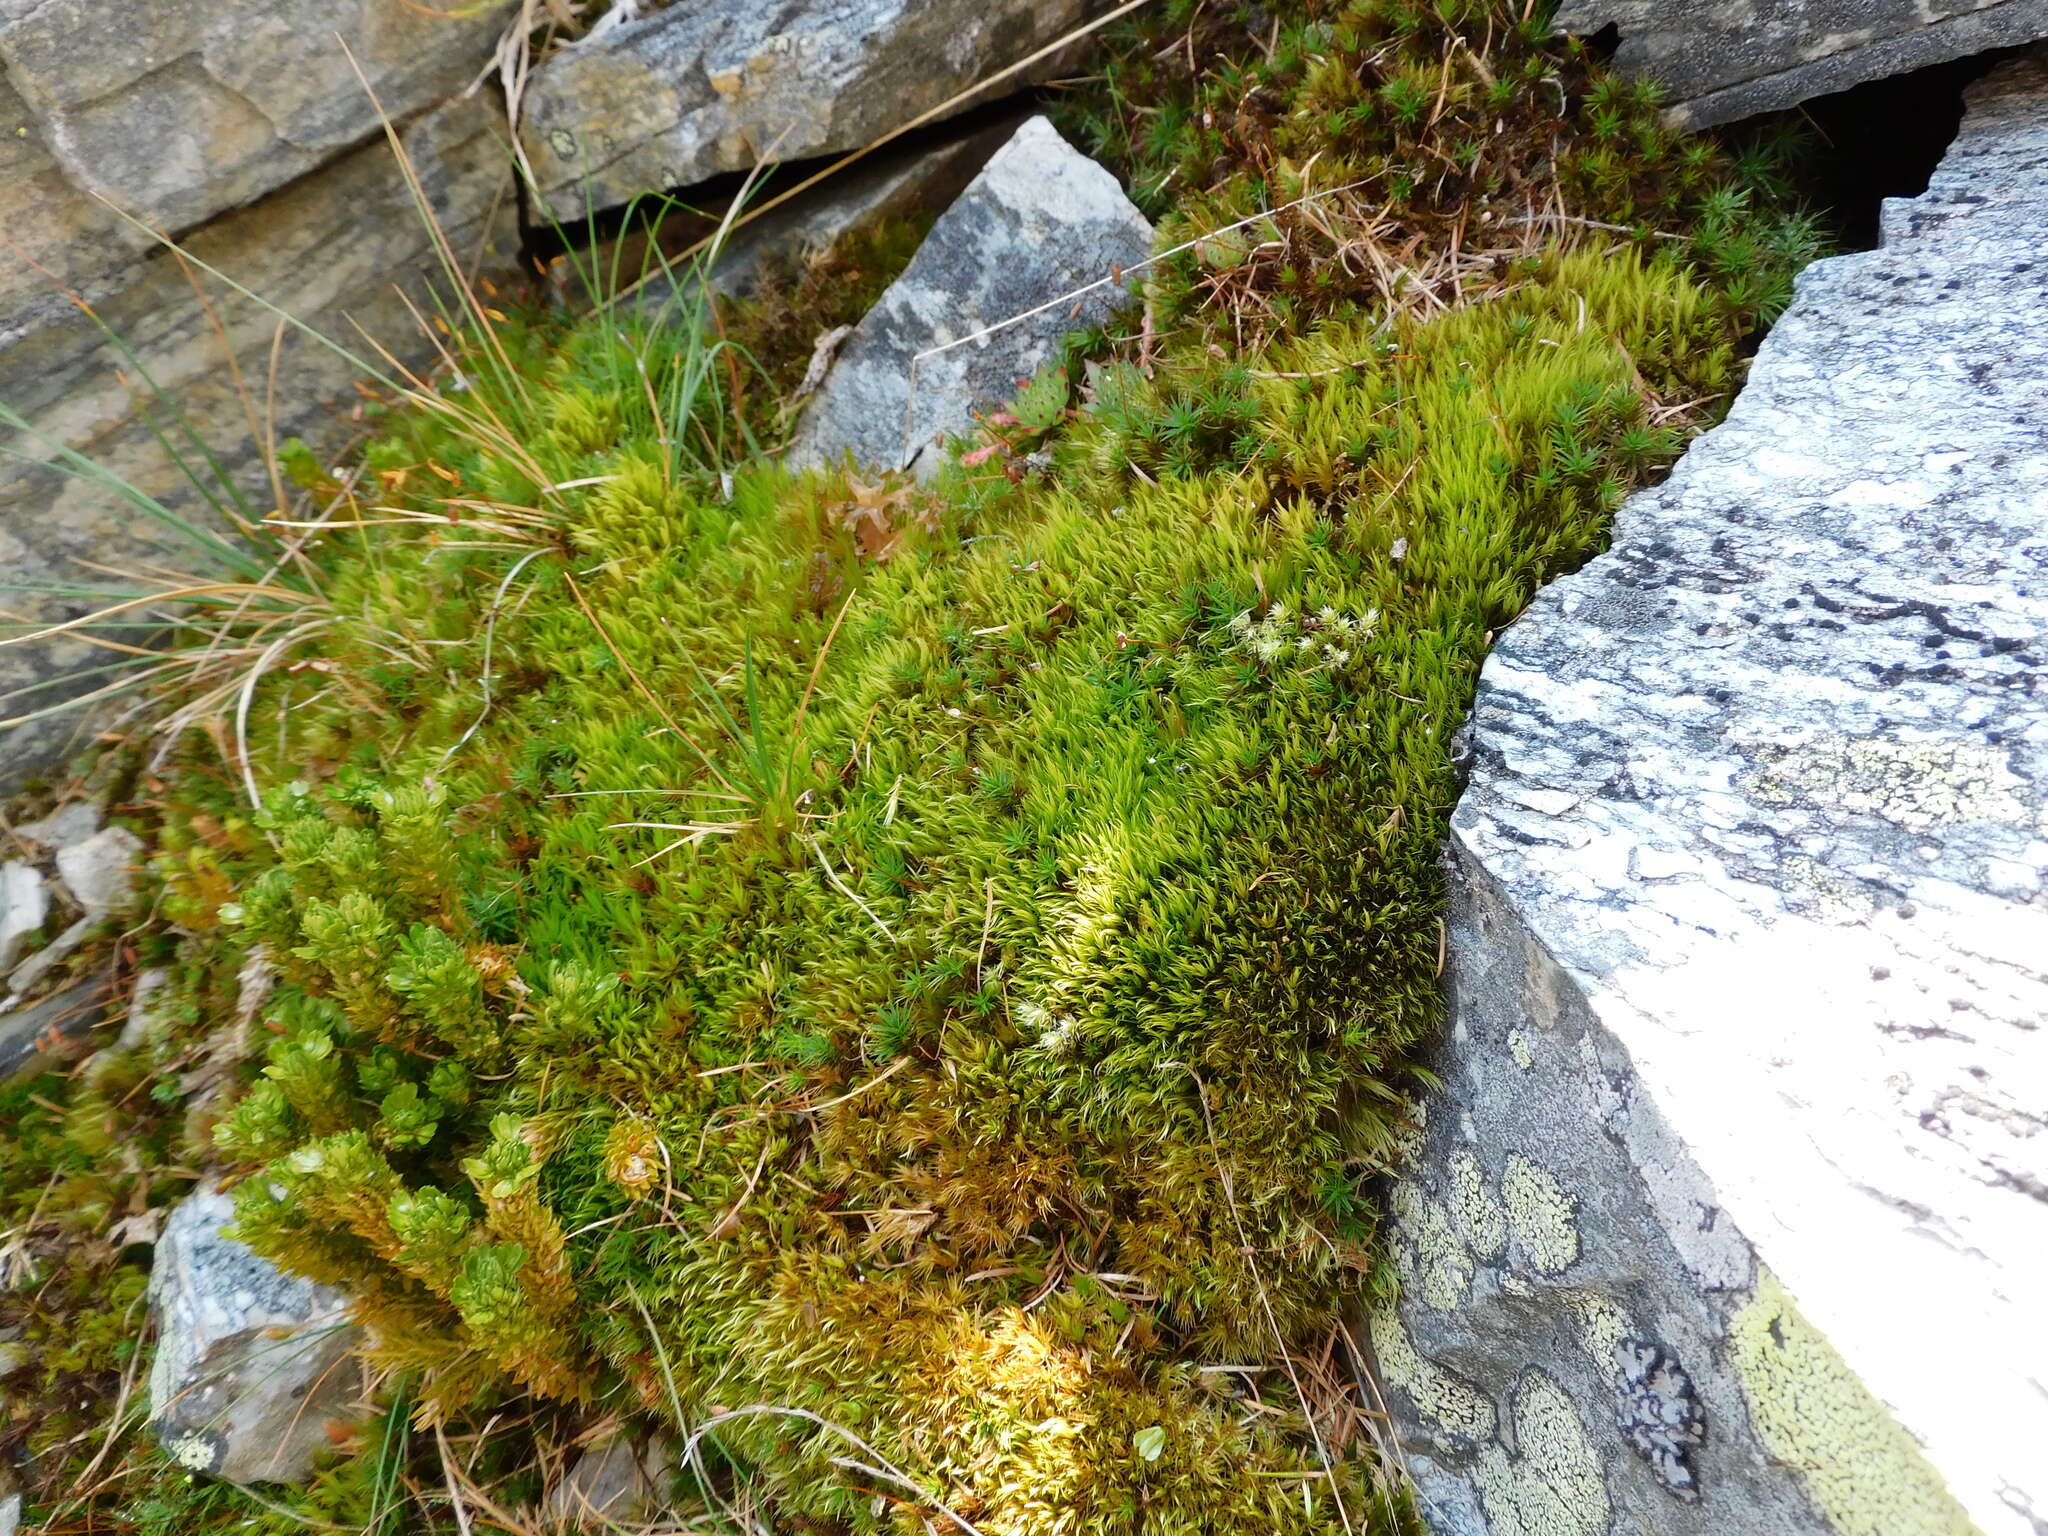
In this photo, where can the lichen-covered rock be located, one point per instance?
(1040, 223)
(699, 89)
(252, 1365)
(1748, 970)
(1729, 59)
(331, 249)
(180, 109)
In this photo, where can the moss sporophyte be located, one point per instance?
(937, 963)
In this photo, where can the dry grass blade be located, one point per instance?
(453, 268)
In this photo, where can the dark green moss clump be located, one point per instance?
(913, 985)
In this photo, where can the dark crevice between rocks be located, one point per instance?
(688, 214)
(1883, 139)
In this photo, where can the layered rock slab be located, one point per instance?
(181, 109)
(1750, 947)
(696, 90)
(1036, 247)
(334, 250)
(1730, 59)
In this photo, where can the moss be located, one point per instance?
(953, 905)
(1425, 128)
(1864, 1472)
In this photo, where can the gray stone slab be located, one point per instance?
(181, 109)
(618, 1484)
(1743, 1129)
(27, 978)
(99, 871)
(892, 186)
(806, 228)
(1729, 59)
(24, 908)
(1041, 222)
(72, 822)
(34, 1035)
(699, 89)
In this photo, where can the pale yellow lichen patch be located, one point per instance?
(1541, 1215)
(1551, 1485)
(1474, 1210)
(1919, 785)
(1432, 1261)
(1411, 1132)
(1602, 1325)
(1866, 1474)
(194, 1451)
(1822, 891)
(1445, 1403)
(1518, 1047)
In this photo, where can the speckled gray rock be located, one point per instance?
(1729, 59)
(621, 1483)
(699, 89)
(1750, 947)
(252, 1365)
(181, 109)
(99, 871)
(1041, 221)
